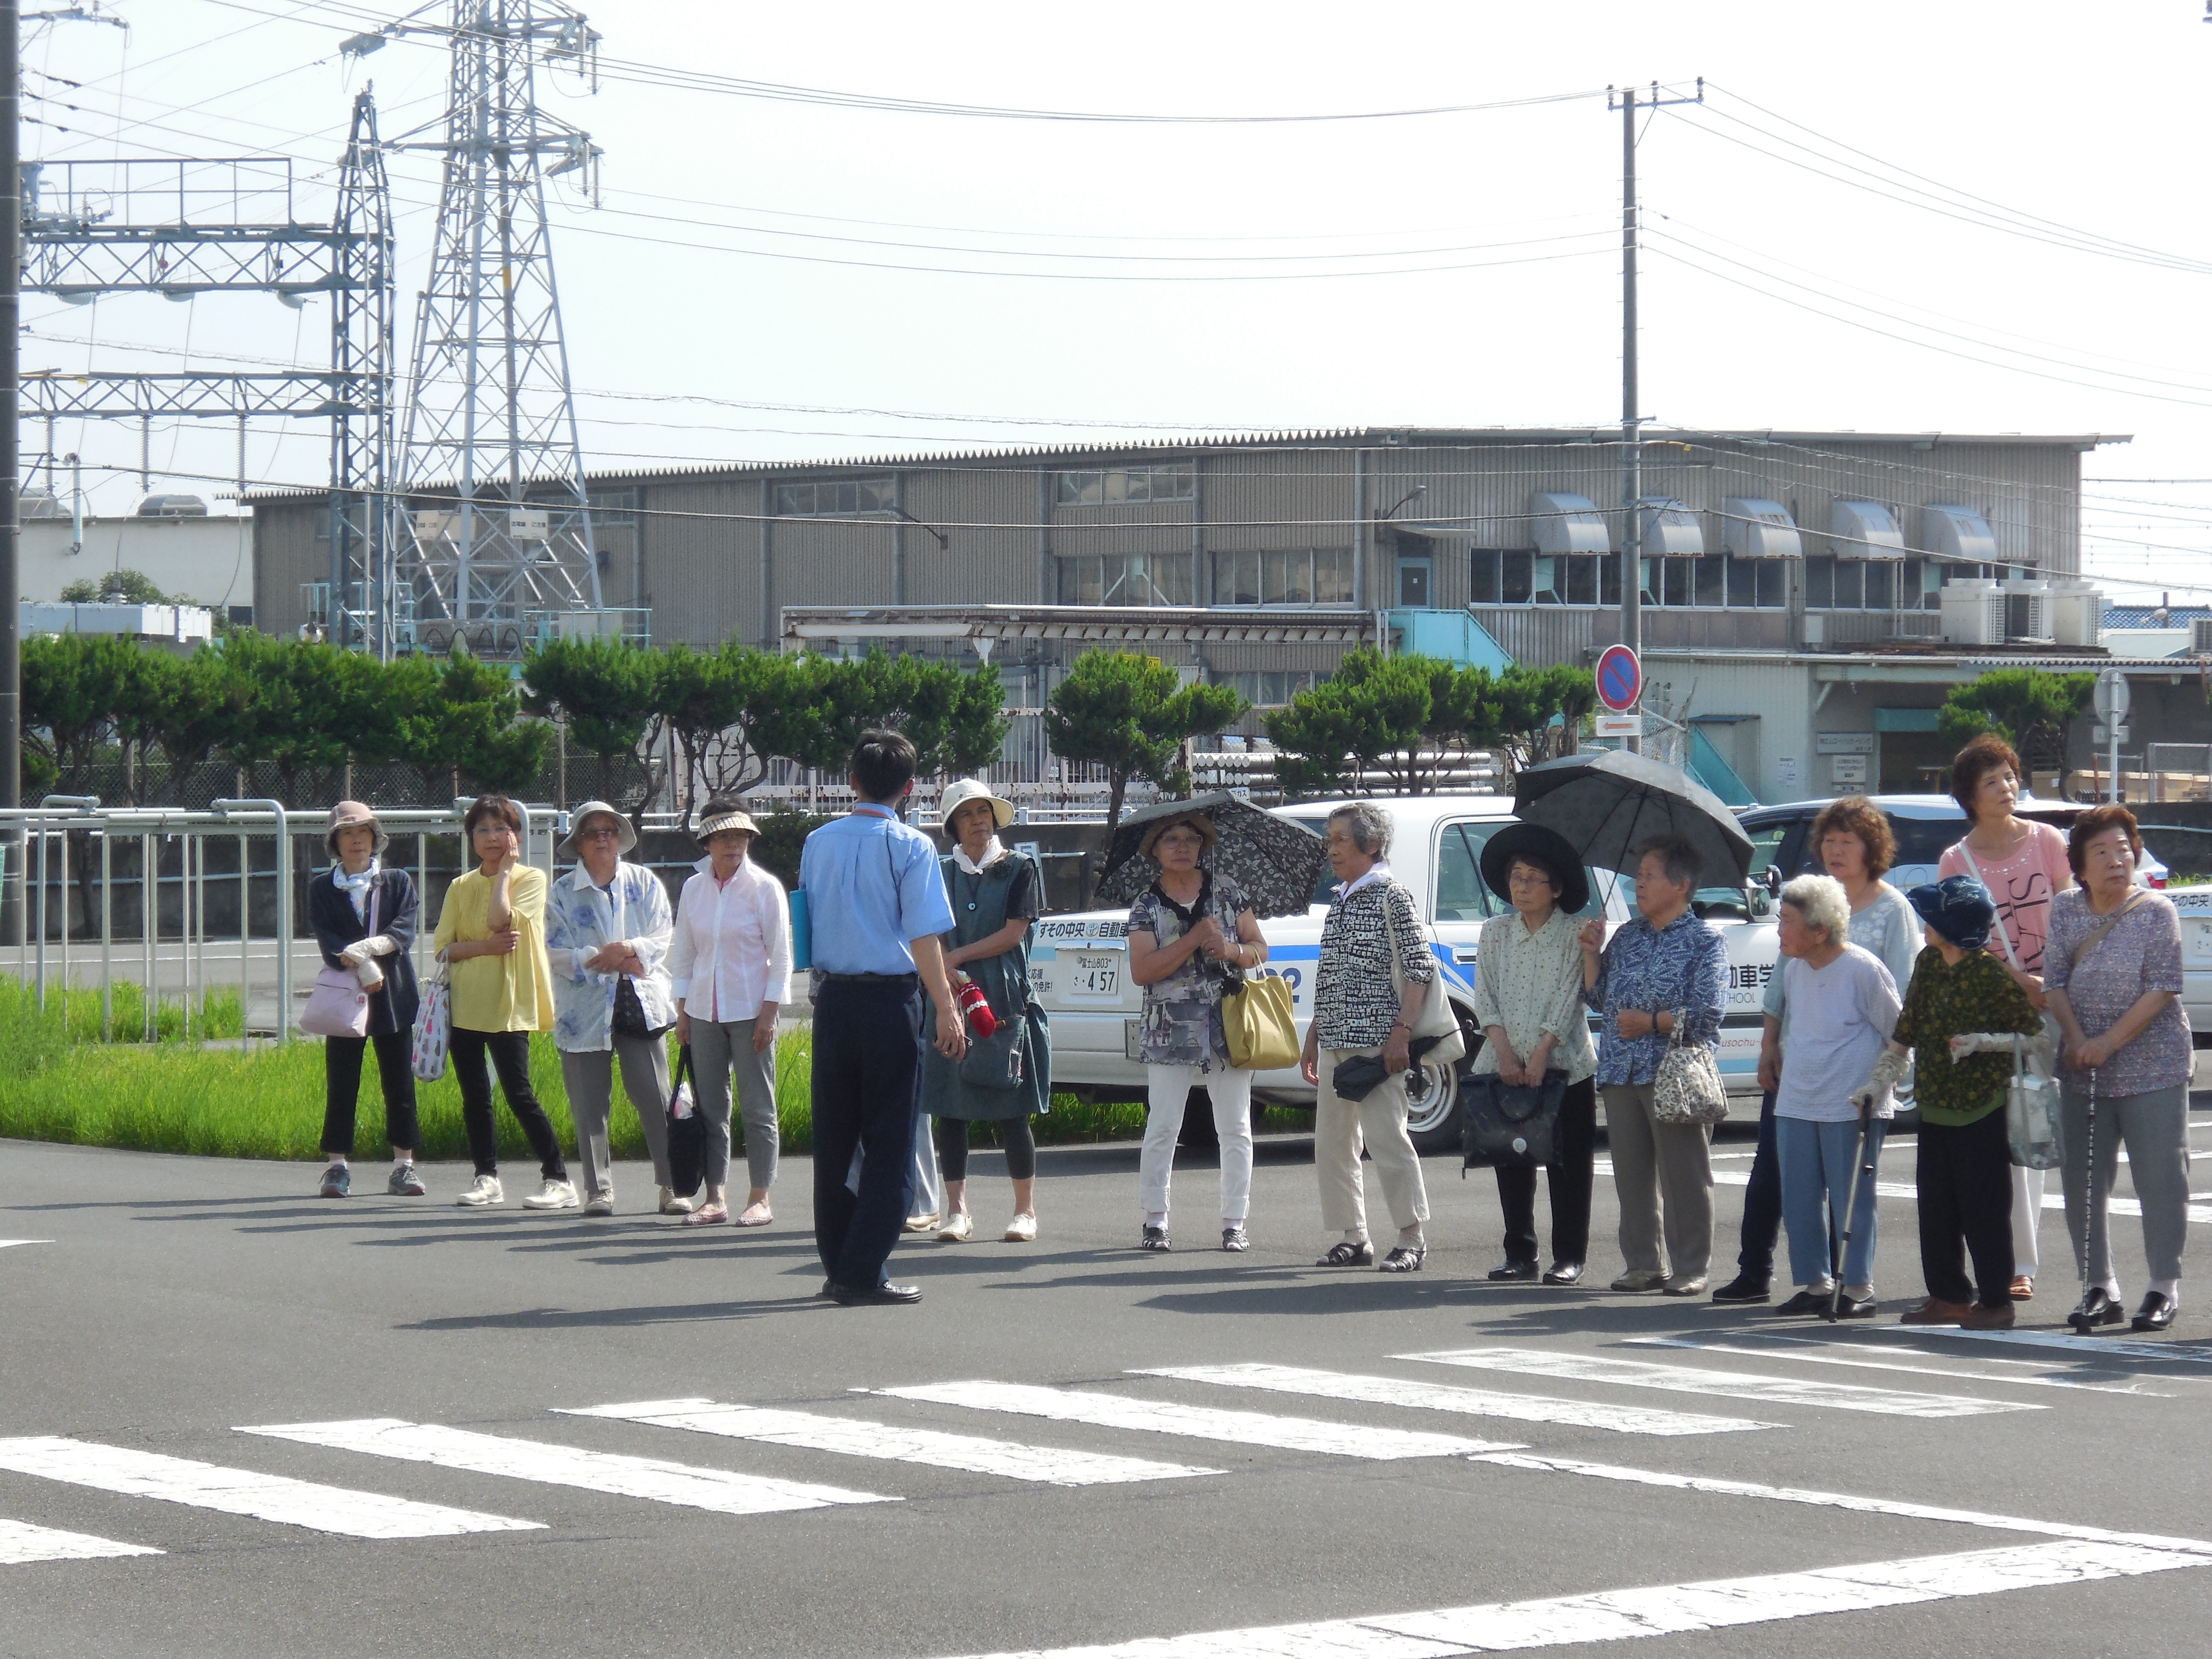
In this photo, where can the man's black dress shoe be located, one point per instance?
(2156, 1313)
(1564, 1273)
(2096, 1309)
(886, 1295)
(1514, 1270)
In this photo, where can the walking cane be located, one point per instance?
(1863, 1169)
(2089, 1184)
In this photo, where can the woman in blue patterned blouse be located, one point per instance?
(1665, 970)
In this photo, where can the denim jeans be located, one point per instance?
(1817, 1160)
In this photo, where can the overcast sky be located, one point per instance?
(771, 278)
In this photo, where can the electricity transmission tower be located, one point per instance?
(360, 436)
(496, 540)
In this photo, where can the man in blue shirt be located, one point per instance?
(876, 901)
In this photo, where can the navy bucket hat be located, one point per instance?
(1958, 907)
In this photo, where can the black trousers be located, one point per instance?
(1964, 1176)
(1569, 1181)
(510, 1056)
(867, 1097)
(342, 1058)
(1762, 1199)
(952, 1147)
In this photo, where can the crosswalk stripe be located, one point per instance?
(1794, 1354)
(813, 1432)
(1656, 1610)
(2193, 1353)
(21, 1543)
(1728, 1385)
(1109, 1411)
(242, 1491)
(6, 1243)
(724, 1490)
(1468, 1402)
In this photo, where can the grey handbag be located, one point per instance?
(1688, 1088)
(1000, 1060)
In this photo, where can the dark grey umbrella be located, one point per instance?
(1608, 802)
(1276, 861)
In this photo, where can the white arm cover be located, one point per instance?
(1888, 1070)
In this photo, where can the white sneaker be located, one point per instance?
(957, 1228)
(1022, 1230)
(603, 1205)
(483, 1192)
(553, 1195)
(672, 1205)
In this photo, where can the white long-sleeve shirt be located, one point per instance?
(731, 952)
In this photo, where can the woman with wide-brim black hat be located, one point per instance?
(1528, 1000)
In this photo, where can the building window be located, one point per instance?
(1113, 486)
(1717, 582)
(1133, 579)
(1291, 576)
(1414, 576)
(848, 498)
(1496, 577)
(1836, 584)
(1268, 689)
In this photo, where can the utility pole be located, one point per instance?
(1631, 418)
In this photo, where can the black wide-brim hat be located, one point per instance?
(1538, 845)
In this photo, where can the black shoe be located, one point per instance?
(1513, 1270)
(886, 1295)
(2156, 1313)
(1343, 1254)
(1155, 1238)
(1564, 1272)
(2096, 1309)
(1805, 1302)
(337, 1181)
(1745, 1289)
(1851, 1307)
(1235, 1240)
(1404, 1259)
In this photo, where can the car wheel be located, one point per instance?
(1432, 1099)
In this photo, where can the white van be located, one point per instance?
(1080, 965)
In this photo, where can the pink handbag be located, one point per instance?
(338, 1006)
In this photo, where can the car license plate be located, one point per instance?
(1132, 1040)
(1093, 978)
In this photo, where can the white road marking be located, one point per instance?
(816, 1432)
(724, 1490)
(1110, 1411)
(1837, 1358)
(2192, 1353)
(1468, 1402)
(243, 1492)
(1658, 1610)
(1728, 1385)
(7, 1243)
(1841, 1501)
(21, 1542)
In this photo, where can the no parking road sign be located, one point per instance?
(1619, 679)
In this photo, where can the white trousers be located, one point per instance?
(2027, 1216)
(1166, 1090)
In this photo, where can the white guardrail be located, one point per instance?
(179, 957)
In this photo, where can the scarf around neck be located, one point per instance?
(992, 853)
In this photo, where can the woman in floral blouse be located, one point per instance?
(1189, 934)
(1665, 970)
(2113, 972)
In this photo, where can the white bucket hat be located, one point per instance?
(626, 832)
(967, 789)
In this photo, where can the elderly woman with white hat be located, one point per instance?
(363, 916)
(996, 895)
(732, 966)
(607, 927)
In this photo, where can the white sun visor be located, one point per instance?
(1567, 524)
(1754, 528)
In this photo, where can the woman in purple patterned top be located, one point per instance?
(2113, 970)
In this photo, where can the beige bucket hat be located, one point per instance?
(967, 789)
(625, 831)
(353, 815)
(1198, 821)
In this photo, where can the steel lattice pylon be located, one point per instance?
(490, 469)
(360, 440)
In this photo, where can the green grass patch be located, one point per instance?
(59, 1082)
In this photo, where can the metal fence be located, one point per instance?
(195, 901)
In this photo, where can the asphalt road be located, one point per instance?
(2034, 1495)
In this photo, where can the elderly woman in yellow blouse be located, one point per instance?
(492, 930)
(1529, 998)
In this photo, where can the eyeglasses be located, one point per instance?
(599, 832)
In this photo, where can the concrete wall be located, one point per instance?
(209, 561)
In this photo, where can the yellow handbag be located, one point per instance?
(1262, 1032)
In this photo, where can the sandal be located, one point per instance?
(706, 1216)
(1404, 1258)
(1154, 1238)
(756, 1215)
(1347, 1254)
